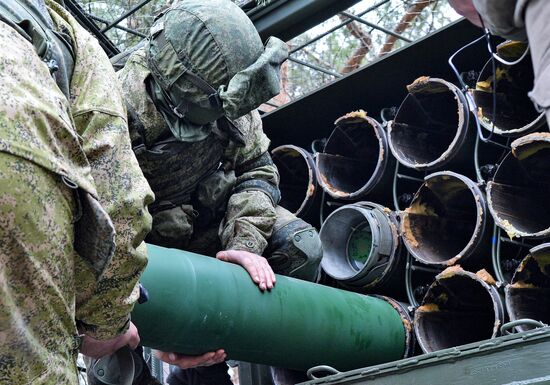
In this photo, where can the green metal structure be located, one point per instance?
(517, 359)
(198, 304)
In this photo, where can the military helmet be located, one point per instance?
(208, 61)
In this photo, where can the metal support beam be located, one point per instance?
(317, 68)
(76, 10)
(371, 82)
(124, 16)
(125, 29)
(342, 24)
(375, 26)
(289, 18)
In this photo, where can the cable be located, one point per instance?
(472, 106)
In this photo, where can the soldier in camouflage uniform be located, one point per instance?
(68, 181)
(192, 91)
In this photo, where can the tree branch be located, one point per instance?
(365, 40)
(412, 12)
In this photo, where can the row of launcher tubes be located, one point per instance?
(422, 209)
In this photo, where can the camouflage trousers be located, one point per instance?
(37, 280)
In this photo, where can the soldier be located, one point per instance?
(518, 20)
(192, 92)
(68, 181)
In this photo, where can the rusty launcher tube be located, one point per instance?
(430, 129)
(528, 295)
(460, 307)
(446, 223)
(361, 249)
(515, 113)
(518, 195)
(356, 161)
(298, 184)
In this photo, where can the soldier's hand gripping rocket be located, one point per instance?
(257, 266)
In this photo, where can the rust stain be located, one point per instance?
(408, 233)
(395, 233)
(407, 324)
(418, 84)
(310, 190)
(530, 144)
(353, 116)
(330, 188)
(508, 228)
(453, 260)
(428, 308)
(523, 285)
(486, 277)
(425, 84)
(421, 208)
(450, 272)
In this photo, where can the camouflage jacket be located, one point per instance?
(250, 213)
(86, 141)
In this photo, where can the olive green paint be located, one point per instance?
(198, 304)
(518, 359)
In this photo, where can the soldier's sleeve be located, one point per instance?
(250, 214)
(503, 17)
(103, 307)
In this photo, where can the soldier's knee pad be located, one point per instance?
(295, 250)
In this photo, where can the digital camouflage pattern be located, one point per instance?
(250, 215)
(44, 284)
(197, 77)
(37, 281)
(213, 32)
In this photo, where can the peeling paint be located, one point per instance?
(407, 325)
(530, 144)
(331, 189)
(450, 272)
(508, 228)
(453, 260)
(425, 85)
(353, 116)
(486, 277)
(523, 285)
(407, 232)
(310, 190)
(428, 308)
